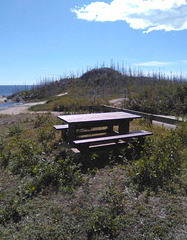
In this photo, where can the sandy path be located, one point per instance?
(23, 108)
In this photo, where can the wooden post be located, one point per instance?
(124, 127)
(110, 129)
(72, 133)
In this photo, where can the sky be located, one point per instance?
(50, 39)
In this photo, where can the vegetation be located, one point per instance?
(158, 94)
(170, 99)
(66, 104)
(134, 193)
(46, 193)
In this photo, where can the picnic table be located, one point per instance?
(84, 130)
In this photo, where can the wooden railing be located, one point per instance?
(148, 116)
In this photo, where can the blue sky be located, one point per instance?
(49, 39)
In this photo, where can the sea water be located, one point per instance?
(7, 90)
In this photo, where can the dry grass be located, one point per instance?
(105, 205)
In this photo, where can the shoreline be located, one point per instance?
(3, 99)
(19, 108)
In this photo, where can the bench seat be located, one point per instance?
(114, 138)
(61, 127)
(91, 143)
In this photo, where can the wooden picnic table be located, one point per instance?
(93, 120)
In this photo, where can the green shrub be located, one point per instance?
(109, 219)
(42, 120)
(25, 159)
(181, 133)
(10, 213)
(102, 223)
(15, 130)
(61, 172)
(45, 138)
(160, 161)
(160, 99)
(5, 153)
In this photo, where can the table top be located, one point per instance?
(94, 117)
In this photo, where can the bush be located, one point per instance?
(25, 159)
(108, 220)
(42, 120)
(5, 154)
(10, 213)
(15, 130)
(160, 161)
(58, 173)
(45, 138)
(169, 99)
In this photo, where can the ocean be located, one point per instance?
(7, 90)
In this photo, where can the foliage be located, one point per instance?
(5, 154)
(158, 99)
(181, 133)
(10, 213)
(67, 104)
(45, 138)
(159, 162)
(42, 120)
(25, 159)
(15, 130)
(108, 220)
(158, 94)
(62, 173)
(46, 193)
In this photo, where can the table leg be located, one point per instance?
(124, 127)
(72, 133)
(110, 129)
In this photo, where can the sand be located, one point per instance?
(22, 108)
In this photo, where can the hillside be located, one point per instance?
(155, 94)
(102, 76)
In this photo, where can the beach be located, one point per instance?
(18, 109)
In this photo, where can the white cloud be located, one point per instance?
(184, 61)
(153, 64)
(148, 15)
